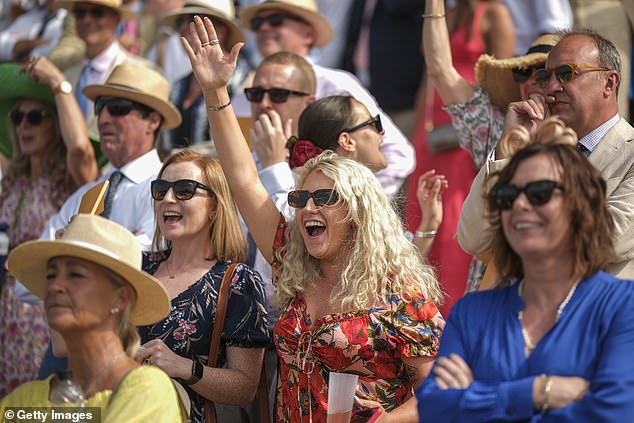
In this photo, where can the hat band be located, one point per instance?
(540, 48)
(128, 87)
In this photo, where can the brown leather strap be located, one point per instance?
(216, 334)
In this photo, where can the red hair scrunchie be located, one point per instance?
(302, 151)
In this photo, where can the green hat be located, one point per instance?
(17, 86)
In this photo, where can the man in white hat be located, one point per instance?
(96, 23)
(296, 26)
(581, 81)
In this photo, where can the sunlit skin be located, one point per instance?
(367, 141)
(79, 296)
(126, 138)
(539, 232)
(292, 36)
(328, 242)
(97, 33)
(273, 75)
(185, 220)
(36, 141)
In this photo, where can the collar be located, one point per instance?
(592, 139)
(141, 168)
(104, 60)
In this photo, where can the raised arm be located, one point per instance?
(213, 70)
(80, 156)
(451, 87)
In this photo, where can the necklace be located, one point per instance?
(99, 378)
(529, 346)
(167, 267)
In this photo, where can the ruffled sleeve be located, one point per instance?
(411, 327)
(246, 322)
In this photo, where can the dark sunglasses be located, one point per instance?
(183, 189)
(375, 121)
(33, 117)
(95, 12)
(564, 73)
(321, 197)
(538, 193)
(277, 95)
(118, 106)
(274, 19)
(523, 74)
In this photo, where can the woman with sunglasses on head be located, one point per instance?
(553, 341)
(49, 155)
(354, 293)
(198, 235)
(95, 294)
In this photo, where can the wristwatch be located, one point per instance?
(197, 373)
(64, 87)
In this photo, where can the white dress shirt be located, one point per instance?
(132, 204)
(28, 26)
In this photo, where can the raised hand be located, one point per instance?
(211, 66)
(429, 194)
(269, 137)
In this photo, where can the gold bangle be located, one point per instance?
(548, 386)
(432, 15)
(221, 107)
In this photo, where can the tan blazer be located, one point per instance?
(613, 157)
(72, 75)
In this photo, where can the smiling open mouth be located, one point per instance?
(314, 228)
(171, 217)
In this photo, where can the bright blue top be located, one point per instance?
(593, 339)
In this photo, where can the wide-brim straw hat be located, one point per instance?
(141, 84)
(222, 10)
(99, 241)
(19, 86)
(126, 14)
(305, 9)
(495, 76)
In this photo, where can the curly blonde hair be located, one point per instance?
(381, 262)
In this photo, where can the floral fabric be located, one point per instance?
(479, 124)
(26, 205)
(370, 343)
(187, 328)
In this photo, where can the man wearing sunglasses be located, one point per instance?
(581, 81)
(296, 27)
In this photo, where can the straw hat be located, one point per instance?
(305, 9)
(141, 84)
(222, 10)
(17, 86)
(126, 14)
(495, 76)
(100, 241)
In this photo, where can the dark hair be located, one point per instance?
(322, 121)
(585, 194)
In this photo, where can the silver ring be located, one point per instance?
(210, 43)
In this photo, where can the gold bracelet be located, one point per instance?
(425, 234)
(218, 108)
(548, 386)
(432, 15)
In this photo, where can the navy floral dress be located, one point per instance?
(187, 328)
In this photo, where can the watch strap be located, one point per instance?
(197, 373)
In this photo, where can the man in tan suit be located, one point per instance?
(586, 100)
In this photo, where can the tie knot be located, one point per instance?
(115, 178)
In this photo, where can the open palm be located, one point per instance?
(211, 66)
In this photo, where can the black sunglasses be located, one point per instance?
(321, 197)
(277, 95)
(183, 189)
(523, 74)
(95, 12)
(538, 193)
(274, 19)
(564, 73)
(33, 117)
(118, 106)
(375, 121)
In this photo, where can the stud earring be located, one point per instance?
(114, 310)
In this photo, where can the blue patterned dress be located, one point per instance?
(187, 328)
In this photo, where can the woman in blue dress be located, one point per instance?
(553, 342)
(198, 235)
